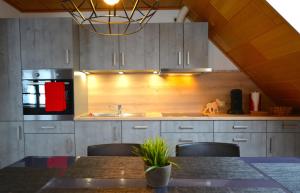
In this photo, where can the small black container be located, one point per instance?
(236, 96)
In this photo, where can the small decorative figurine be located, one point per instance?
(213, 107)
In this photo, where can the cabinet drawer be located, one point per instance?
(49, 145)
(49, 127)
(179, 138)
(283, 126)
(138, 131)
(240, 126)
(187, 126)
(251, 144)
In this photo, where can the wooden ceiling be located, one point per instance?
(55, 5)
(258, 40)
(250, 32)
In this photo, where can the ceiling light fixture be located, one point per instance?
(132, 14)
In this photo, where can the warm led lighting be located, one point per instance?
(111, 2)
(155, 72)
(121, 72)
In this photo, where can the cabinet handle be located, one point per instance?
(270, 145)
(185, 140)
(140, 127)
(114, 59)
(123, 59)
(239, 140)
(115, 134)
(188, 58)
(185, 128)
(19, 133)
(179, 58)
(67, 54)
(48, 127)
(239, 127)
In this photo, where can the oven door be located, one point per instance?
(34, 101)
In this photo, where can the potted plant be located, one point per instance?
(155, 153)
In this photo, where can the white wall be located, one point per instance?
(216, 59)
(7, 11)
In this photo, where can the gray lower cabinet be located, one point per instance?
(141, 50)
(251, 144)
(49, 144)
(96, 132)
(49, 138)
(282, 138)
(11, 142)
(138, 131)
(240, 126)
(47, 42)
(10, 73)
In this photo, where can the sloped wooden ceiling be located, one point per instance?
(258, 40)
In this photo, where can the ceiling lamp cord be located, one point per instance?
(133, 15)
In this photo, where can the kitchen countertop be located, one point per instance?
(188, 117)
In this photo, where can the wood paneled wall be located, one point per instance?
(153, 93)
(258, 40)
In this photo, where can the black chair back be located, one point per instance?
(112, 150)
(208, 149)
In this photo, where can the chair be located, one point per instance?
(112, 150)
(208, 149)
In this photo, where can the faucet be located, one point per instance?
(119, 110)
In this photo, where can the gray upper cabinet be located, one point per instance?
(196, 45)
(171, 45)
(48, 43)
(11, 142)
(10, 73)
(140, 51)
(98, 52)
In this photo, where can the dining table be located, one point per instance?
(110, 174)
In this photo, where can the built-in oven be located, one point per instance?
(48, 94)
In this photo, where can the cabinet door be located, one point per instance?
(46, 43)
(140, 51)
(174, 139)
(281, 144)
(96, 132)
(49, 145)
(251, 144)
(10, 73)
(11, 142)
(171, 45)
(138, 131)
(196, 45)
(98, 52)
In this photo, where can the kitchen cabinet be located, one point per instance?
(282, 138)
(196, 45)
(48, 43)
(43, 144)
(140, 51)
(99, 52)
(240, 126)
(251, 144)
(11, 142)
(184, 45)
(186, 126)
(10, 73)
(49, 127)
(96, 132)
(138, 131)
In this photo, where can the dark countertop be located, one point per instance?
(125, 174)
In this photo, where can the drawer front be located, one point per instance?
(174, 139)
(138, 131)
(49, 145)
(240, 126)
(251, 144)
(49, 127)
(283, 126)
(96, 132)
(187, 126)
